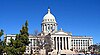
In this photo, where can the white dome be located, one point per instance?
(49, 17)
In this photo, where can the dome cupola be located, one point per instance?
(49, 17)
(49, 24)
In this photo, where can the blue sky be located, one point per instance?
(81, 17)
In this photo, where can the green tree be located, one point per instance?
(1, 42)
(1, 32)
(18, 46)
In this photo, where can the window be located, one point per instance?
(53, 19)
(28, 51)
(45, 19)
(48, 28)
(31, 39)
(50, 19)
(27, 48)
(54, 24)
(74, 42)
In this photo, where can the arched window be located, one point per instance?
(45, 19)
(54, 24)
(49, 28)
(45, 24)
(53, 19)
(50, 19)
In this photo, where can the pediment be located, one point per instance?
(60, 33)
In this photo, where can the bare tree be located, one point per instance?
(43, 42)
(48, 43)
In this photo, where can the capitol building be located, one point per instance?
(63, 42)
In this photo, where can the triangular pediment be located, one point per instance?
(60, 33)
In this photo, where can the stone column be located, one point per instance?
(51, 28)
(35, 42)
(47, 27)
(69, 41)
(65, 43)
(32, 42)
(77, 44)
(62, 43)
(72, 44)
(44, 27)
(54, 27)
(53, 43)
(59, 44)
(85, 44)
(56, 44)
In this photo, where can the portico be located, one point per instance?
(61, 41)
